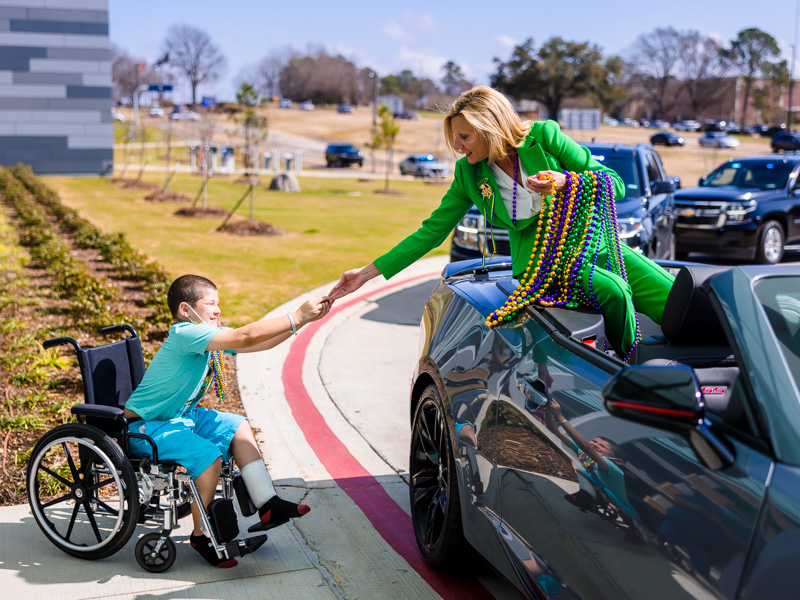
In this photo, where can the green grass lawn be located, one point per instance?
(331, 226)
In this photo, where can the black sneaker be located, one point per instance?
(278, 511)
(205, 548)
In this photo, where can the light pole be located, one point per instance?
(791, 73)
(374, 76)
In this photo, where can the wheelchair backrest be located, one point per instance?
(112, 371)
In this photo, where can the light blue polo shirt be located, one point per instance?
(176, 378)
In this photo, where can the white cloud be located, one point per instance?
(397, 31)
(507, 41)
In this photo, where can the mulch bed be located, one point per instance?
(199, 212)
(162, 196)
(251, 228)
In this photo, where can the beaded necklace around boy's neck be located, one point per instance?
(217, 365)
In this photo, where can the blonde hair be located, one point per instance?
(492, 116)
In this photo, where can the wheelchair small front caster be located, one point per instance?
(155, 552)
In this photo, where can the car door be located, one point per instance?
(655, 523)
(660, 206)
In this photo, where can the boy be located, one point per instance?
(164, 405)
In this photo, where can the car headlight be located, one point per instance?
(739, 211)
(629, 227)
(467, 233)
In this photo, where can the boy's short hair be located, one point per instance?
(189, 289)
(616, 449)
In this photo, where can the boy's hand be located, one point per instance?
(313, 309)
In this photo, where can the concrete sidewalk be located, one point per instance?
(356, 371)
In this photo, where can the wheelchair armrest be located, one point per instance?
(98, 410)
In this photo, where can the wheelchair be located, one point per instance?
(87, 494)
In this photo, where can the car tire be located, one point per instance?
(433, 490)
(330, 164)
(771, 241)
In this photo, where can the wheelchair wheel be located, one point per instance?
(82, 491)
(155, 552)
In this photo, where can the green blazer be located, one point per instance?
(545, 147)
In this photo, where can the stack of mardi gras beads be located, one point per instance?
(567, 242)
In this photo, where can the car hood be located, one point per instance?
(725, 192)
(631, 207)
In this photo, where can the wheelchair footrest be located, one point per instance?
(247, 546)
(222, 516)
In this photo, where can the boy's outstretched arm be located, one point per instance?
(268, 333)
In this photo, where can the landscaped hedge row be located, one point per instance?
(90, 299)
(114, 249)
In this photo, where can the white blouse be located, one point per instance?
(529, 203)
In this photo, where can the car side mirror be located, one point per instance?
(702, 180)
(676, 179)
(662, 187)
(668, 398)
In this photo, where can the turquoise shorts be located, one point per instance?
(194, 440)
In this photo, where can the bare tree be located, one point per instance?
(192, 52)
(128, 72)
(655, 58)
(702, 70)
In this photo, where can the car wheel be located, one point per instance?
(330, 164)
(434, 496)
(770, 244)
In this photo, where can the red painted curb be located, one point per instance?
(389, 520)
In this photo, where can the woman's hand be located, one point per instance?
(311, 310)
(352, 280)
(542, 185)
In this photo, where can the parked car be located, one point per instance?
(184, 115)
(628, 122)
(747, 208)
(345, 109)
(156, 110)
(343, 155)
(306, 105)
(717, 139)
(686, 125)
(645, 213)
(785, 141)
(407, 114)
(285, 103)
(666, 138)
(578, 476)
(610, 121)
(772, 130)
(659, 124)
(423, 165)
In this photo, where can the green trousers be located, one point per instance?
(646, 291)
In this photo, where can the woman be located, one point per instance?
(510, 170)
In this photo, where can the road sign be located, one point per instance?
(160, 87)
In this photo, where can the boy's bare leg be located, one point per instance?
(206, 486)
(243, 446)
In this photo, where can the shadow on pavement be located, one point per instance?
(404, 307)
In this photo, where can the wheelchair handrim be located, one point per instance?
(50, 530)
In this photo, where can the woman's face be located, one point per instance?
(467, 141)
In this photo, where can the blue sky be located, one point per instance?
(392, 36)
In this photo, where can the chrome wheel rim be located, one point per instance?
(773, 244)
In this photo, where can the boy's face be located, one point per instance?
(602, 447)
(207, 308)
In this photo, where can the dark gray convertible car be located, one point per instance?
(578, 476)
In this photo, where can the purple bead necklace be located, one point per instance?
(514, 195)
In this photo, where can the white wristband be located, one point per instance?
(562, 421)
(291, 320)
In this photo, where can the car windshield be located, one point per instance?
(780, 298)
(622, 165)
(761, 175)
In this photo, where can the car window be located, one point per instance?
(624, 166)
(764, 175)
(653, 171)
(780, 298)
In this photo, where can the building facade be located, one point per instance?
(55, 86)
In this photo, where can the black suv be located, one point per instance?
(747, 208)
(645, 215)
(786, 140)
(341, 155)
